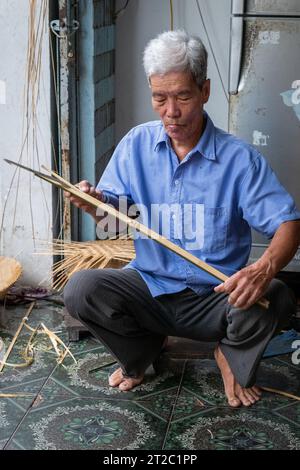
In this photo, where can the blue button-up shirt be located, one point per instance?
(216, 193)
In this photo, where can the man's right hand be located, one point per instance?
(87, 188)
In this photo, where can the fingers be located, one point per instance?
(87, 188)
(228, 286)
(84, 186)
(219, 289)
(242, 292)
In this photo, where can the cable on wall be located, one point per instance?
(171, 16)
(121, 10)
(212, 50)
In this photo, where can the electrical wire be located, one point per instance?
(31, 129)
(212, 50)
(171, 16)
(117, 14)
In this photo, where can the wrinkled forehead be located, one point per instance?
(172, 82)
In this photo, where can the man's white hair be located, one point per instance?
(176, 51)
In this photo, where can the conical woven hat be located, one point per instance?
(10, 271)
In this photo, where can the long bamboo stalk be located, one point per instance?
(61, 183)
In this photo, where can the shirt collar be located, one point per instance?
(206, 145)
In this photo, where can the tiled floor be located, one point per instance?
(183, 407)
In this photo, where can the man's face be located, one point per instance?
(179, 102)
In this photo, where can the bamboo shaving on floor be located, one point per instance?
(59, 347)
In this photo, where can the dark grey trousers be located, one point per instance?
(118, 308)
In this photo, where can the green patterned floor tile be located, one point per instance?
(45, 312)
(89, 377)
(161, 404)
(44, 362)
(202, 378)
(189, 404)
(291, 412)
(14, 445)
(52, 393)
(85, 345)
(31, 389)
(228, 429)
(274, 373)
(91, 424)
(11, 415)
(2, 441)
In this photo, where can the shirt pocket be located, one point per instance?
(214, 227)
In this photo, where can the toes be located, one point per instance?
(257, 390)
(243, 396)
(116, 378)
(125, 385)
(253, 393)
(234, 402)
(249, 396)
(128, 384)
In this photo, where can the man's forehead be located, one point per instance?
(173, 81)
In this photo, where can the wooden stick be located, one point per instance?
(2, 363)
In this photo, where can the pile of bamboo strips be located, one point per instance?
(88, 255)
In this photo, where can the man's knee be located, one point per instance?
(282, 302)
(76, 291)
(257, 321)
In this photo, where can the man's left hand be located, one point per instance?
(248, 285)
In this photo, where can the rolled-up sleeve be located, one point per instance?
(264, 202)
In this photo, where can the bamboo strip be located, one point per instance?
(17, 395)
(9, 349)
(280, 392)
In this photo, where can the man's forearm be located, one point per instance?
(282, 248)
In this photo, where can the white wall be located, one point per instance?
(22, 223)
(143, 20)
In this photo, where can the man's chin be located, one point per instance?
(176, 133)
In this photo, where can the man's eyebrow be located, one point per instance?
(184, 92)
(157, 93)
(162, 93)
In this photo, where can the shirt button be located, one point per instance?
(176, 182)
(173, 216)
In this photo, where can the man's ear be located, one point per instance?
(206, 91)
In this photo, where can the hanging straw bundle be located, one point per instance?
(112, 253)
(10, 271)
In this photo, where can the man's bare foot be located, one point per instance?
(236, 395)
(117, 379)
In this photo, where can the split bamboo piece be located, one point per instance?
(17, 395)
(61, 183)
(280, 392)
(10, 347)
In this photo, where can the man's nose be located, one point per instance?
(173, 109)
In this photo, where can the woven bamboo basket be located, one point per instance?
(10, 271)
